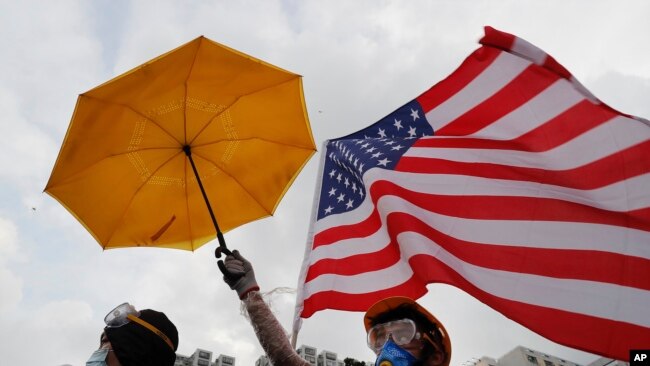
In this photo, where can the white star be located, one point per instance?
(377, 154)
(354, 187)
(415, 114)
(347, 183)
(365, 145)
(332, 191)
(341, 197)
(371, 149)
(332, 173)
(349, 204)
(412, 132)
(356, 161)
(397, 124)
(361, 168)
(361, 193)
(389, 142)
(383, 162)
(338, 178)
(328, 210)
(381, 133)
(397, 148)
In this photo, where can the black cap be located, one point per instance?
(135, 345)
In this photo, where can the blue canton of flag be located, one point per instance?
(380, 145)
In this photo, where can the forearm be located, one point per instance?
(270, 333)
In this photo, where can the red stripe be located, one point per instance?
(558, 263)
(617, 167)
(473, 66)
(498, 39)
(488, 208)
(571, 123)
(532, 81)
(607, 337)
(359, 302)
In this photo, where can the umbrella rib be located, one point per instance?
(235, 179)
(235, 102)
(144, 182)
(196, 54)
(138, 113)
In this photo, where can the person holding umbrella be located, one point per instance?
(399, 330)
(136, 338)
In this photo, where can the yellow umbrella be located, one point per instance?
(147, 151)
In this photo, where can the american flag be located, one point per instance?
(508, 180)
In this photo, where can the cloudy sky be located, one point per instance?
(360, 60)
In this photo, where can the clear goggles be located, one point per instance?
(400, 331)
(126, 313)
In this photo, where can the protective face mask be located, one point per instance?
(98, 358)
(393, 355)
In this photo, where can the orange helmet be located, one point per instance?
(391, 303)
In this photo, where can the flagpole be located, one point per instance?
(297, 320)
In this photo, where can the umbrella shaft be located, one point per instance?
(222, 240)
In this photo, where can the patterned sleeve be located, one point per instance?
(270, 333)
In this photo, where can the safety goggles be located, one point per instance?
(400, 331)
(125, 313)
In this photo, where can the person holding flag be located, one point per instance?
(399, 330)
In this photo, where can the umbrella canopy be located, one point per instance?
(125, 167)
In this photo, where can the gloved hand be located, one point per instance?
(238, 274)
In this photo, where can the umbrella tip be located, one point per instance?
(186, 149)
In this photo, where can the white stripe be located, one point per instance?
(545, 106)
(529, 51)
(516, 233)
(615, 135)
(621, 196)
(501, 71)
(597, 299)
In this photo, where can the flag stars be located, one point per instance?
(339, 177)
(412, 132)
(328, 210)
(332, 192)
(397, 148)
(415, 114)
(349, 204)
(398, 124)
(332, 173)
(383, 162)
(372, 149)
(382, 133)
(340, 198)
(377, 154)
(347, 183)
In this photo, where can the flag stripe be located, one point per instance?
(559, 263)
(600, 173)
(498, 74)
(524, 87)
(597, 299)
(528, 134)
(531, 234)
(617, 134)
(575, 326)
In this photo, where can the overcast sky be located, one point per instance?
(359, 59)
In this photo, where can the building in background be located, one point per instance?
(309, 353)
(522, 356)
(202, 357)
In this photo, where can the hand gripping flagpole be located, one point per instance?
(222, 248)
